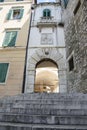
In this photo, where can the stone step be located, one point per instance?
(51, 106)
(42, 109)
(18, 126)
(35, 96)
(65, 104)
(46, 101)
(44, 119)
(64, 99)
(46, 104)
(42, 101)
(57, 112)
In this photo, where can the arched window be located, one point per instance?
(46, 13)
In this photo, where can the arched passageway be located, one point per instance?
(36, 57)
(46, 79)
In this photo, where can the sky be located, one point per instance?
(45, 1)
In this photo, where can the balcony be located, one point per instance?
(47, 21)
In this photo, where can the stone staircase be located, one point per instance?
(42, 111)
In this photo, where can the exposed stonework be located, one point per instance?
(76, 44)
(36, 55)
(43, 111)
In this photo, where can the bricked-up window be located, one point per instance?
(3, 71)
(71, 64)
(77, 7)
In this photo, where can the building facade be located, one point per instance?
(46, 57)
(14, 27)
(43, 47)
(75, 19)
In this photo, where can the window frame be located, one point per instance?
(12, 14)
(11, 11)
(6, 73)
(68, 58)
(71, 68)
(77, 8)
(47, 11)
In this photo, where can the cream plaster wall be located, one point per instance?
(15, 56)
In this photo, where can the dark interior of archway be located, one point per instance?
(46, 79)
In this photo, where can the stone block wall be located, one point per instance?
(75, 20)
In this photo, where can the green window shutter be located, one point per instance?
(6, 39)
(48, 14)
(1, 0)
(10, 38)
(21, 13)
(3, 71)
(44, 13)
(9, 15)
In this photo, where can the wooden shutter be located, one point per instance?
(10, 39)
(9, 14)
(44, 13)
(21, 13)
(6, 39)
(3, 71)
(1, 0)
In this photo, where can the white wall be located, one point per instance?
(36, 32)
(41, 36)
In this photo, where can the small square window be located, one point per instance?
(71, 64)
(15, 13)
(46, 13)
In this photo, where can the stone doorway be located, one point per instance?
(46, 79)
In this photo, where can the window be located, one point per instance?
(77, 8)
(65, 3)
(15, 13)
(71, 64)
(1, 0)
(3, 71)
(46, 13)
(10, 39)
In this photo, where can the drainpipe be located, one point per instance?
(24, 76)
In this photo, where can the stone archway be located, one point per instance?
(36, 55)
